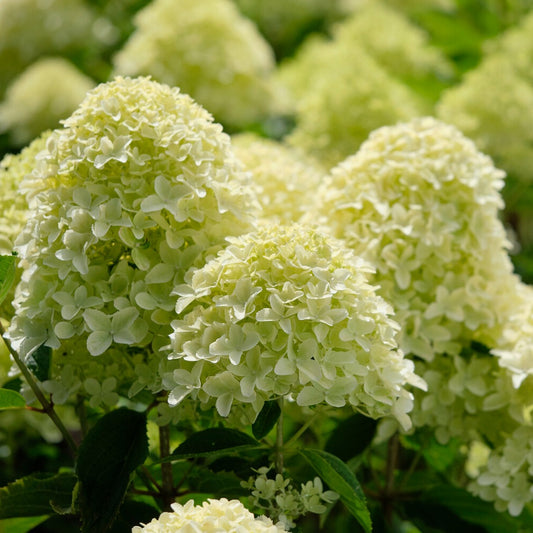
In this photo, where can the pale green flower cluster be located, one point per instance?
(138, 186)
(506, 477)
(32, 28)
(46, 92)
(397, 44)
(284, 180)
(340, 99)
(287, 311)
(493, 105)
(213, 516)
(516, 44)
(515, 346)
(281, 501)
(421, 203)
(210, 51)
(13, 205)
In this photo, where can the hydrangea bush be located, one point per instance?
(224, 333)
(213, 53)
(136, 187)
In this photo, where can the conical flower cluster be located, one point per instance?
(287, 311)
(138, 186)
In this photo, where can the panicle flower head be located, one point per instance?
(13, 205)
(32, 28)
(342, 99)
(213, 516)
(506, 477)
(284, 180)
(516, 44)
(287, 311)
(493, 106)
(403, 49)
(137, 186)
(46, 92)
(210, 51)
(421, 203)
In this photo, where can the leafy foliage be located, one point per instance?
(108, 456)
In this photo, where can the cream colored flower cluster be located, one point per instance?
(285, 181)
(213, 516)
(340, 101)
(13, 205)
(32, 28)
(46, 92)
(421, 203)
(506, 477)
(493, 106)
(346, 102)
(287, 311)
(403, 49)
(210, 51)
(138, 186)
(281, 501)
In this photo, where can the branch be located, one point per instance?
(48, 407)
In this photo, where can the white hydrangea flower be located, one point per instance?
(506, 477)
(33, 28)
(13, 205)
(138, 186)
(220, 58)
(213, 516)
(280, 500)
(340, 101)
(46, 92)
(516, 43)
(288, 311)
(403, 50)
(493, 106)
(421, 203)
(284, 180)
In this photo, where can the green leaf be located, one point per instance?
(13, 384)
(10, 399)
(266, 419)
(133, 513)
(218, 484)
(39, 362)
(213, 442)
(352, 436)
(7, 274)
(36, 495)
(470, 509)
(343, 481)
(108, 456)
(21, 525)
